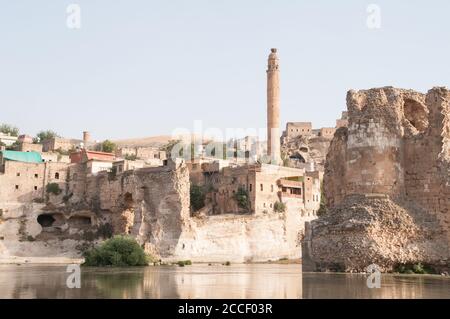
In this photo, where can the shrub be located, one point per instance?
(279, 207)
(197, 195)
(53, 188)
(105, 230)
(183, 263)
(242, 198)
(119, 251)
(30, 238)
(131, 157)
(409, 268)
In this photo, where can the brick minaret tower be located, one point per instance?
(273, 108)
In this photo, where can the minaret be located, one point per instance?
(273, 108)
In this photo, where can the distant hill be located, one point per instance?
(152, 141)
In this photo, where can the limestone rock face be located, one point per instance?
(307, 149)
(364, 230)
(397, 145)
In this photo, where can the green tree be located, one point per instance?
(279, 207)
(242, 198)
(119, 251)
(198, 196)
(131, 157)
(9, 129)
(108, 146)
(53, 188)
(44, 135)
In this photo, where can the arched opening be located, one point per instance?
(416, 113)
(56, 175)
(298, 158)
(45, 220)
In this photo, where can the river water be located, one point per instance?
(216, 281)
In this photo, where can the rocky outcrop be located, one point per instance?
(396, 145)
(305, 149)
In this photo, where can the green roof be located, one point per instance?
(27, 157)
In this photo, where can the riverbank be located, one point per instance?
(40, 260)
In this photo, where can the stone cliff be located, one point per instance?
(387, 183)
(153, 206)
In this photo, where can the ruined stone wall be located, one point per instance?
(396, 145)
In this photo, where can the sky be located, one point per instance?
(143, 68)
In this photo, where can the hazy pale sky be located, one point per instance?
(143, 68)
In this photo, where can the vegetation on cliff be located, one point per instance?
(198, 196)
(53, 188)
(119, 251)
(279, 207)
(242, 198)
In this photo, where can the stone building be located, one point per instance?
(95, 161)
(24, 176)
(265, 185)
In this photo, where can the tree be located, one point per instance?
(53, 188)
(279, 207)
(243, 199)
(44, 135)
(108, 146)
(197, 196)
(9, 129)
(119, 251)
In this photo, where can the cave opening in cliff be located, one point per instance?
(416, 113)
(298, 158)
(304, 149)
(79, 221)
(46, 220)
(128, 200)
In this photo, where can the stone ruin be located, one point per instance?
(387, 184)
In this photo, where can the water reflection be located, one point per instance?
(202, 281)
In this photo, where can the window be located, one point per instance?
(271, 188)
(35, 188)
(250, 187)
(270, 205)
(262, 187)
(56, 175)
(18, 174)
(284, 189)
(36, 175)
(17, 186)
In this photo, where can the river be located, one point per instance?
(217, 281)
